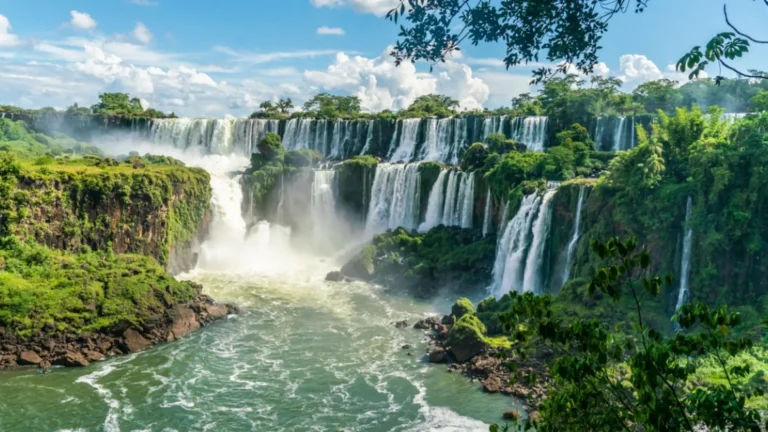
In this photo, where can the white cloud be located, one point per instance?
(378, 7)
(144, 2)
(381, 85)
(332, 31)
(82, 20)
(142, 33)
(7, 39)
(259, 58)
(635, 69)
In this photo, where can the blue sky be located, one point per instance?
(225, 57)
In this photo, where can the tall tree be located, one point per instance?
(657, 95)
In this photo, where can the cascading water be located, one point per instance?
(494, 125)
(618, 136)
(599, 129)
(323, 204)
(633, 132)
(409, 134)
(434, 214)
(531, 131)
(575, 237)
(247, 133)
(394, 198)
(685, 264)
(513, 244)
(487, 213)
(535, 261)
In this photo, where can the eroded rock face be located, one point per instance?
(184, 322)
(334, 276)
(493, 384)
(71, 359)
(437, 356)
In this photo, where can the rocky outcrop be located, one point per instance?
(46, 349)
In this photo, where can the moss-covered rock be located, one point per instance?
(467, 338)
(463, 306)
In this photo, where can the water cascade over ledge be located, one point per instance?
(685, 263)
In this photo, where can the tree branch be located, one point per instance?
(727, 21)
(740, 73)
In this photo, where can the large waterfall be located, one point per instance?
(575, 237)
(685, 263)
(325, 221)
(451, 201)
(531, 131)
(519, 262)
(394, 198)
(614, 133)
(407, 140)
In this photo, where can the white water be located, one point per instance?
(534, 263)
(575, 237)
(325, 221)
(487, 213)
(394, 198)
(494, 125)
(599, 129)
(513, 244)
(409, 134)
(619, 135)
(685, 264)
(434, 214)
(531, 131)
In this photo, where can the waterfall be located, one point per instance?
(534, 263)
(685, 264)
(599, 128)
(466, 200)
(575, 237)
(435, 204)
(510, 252)
(531, 131)
(368, 139)
(633, 131)
(487, 213)
(409, 134)
(323, 205)
(247, 133)
(212, 136)
(494, 125)
(618, 135)
(394, 198)
(279, 216)
(450, 199)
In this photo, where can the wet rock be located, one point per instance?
(134, 341)
(437, 356)
(8, 361)
(400, 324)
(511, 415)
(334, 276)
(493, 384)
(93, 356)
(216, 312)
(29, 358)
(406, 346)
(430, 323)
(71, 359)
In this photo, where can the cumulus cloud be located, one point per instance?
(635, 69)
(378, 7)
(7, 39)
(82, 20)
(332, 31)
(381, 85)
(142, 33)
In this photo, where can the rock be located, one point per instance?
(437, 356)
(401, 324)
(334, 276)
(410, 353)
(184, 322)
(463, 306)
(427, 323)
(45, 365)
(134, 341)
(217, 312)
(448, 320)
(511, 415)
(406, 346)
(29, 358)
(466, 338)
(93, 356)
(71, 359)
(104, 346)
(8, 361)
(493, 384)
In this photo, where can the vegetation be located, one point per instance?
(278, 110)
(431, 105)
(110, 105)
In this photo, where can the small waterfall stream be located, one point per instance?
(575, 237)
(685, 264)
(487, 213)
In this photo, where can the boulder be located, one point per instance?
(134, 341)
(430, 323)
(217, 312)
(437, 356)
(71, 359)
(334, 276)
(406, 346)
(93, 356)
(29, 358)
(361, 265)
(400, 324)
(493, 384)
(512, 415)
(184, 322)
(466, 338)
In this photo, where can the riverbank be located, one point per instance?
(49, 349)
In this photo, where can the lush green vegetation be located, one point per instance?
(110, 105)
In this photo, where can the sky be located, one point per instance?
(223, 58)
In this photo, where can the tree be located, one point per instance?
(268, 106)
(474, 157)
(526, 105)
(329, 106)
(117, 104)
(285, 105)
(498, 143)
(657, 95)
(603, 381)
(759, 102)
(271, 148)
(74, 109)
(432, 105)
(568, 30)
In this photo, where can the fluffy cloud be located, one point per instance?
(82, 20)
(378, 7)
(142, 33)
(333, 31)
(7, 39)
(635, 69)
(381, 85)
